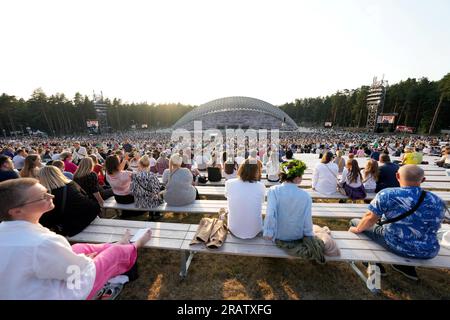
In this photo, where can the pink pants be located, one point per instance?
(111, 260)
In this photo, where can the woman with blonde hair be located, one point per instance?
(73, 210)
(87, 179)
(145, 186)
(340, 161)
(370, 175)
(31, 166)
(178, 181)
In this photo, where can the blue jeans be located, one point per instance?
(376, 233)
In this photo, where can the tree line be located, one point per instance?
(58, 115)
(419, 103)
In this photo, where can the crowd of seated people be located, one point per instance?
(64, 196)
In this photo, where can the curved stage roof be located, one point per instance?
(237, 112)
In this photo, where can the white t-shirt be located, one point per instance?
(325, 178)
(35, 264)
(370, 183)
(345, 178)
(245, 201)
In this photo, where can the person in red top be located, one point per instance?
(69, 166)
(98, 169)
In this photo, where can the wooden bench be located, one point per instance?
(319, 210)
(174, 236)
(427, 185)
(219, 191)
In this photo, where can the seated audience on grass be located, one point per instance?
(370, 175)
(162, 163)
(60, 165)
(145, 186)
(31, 166)
(178, 182)
(387, 171)
(69, 166)
(87, 179)
(98, 169)
(35, 260)
(272, 167)
(339, 161)
(73, 210)
(325, 175)
(413, 236)
(245, 196)
(288, 215)
(7, 171)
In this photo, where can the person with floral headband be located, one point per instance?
(288, 215)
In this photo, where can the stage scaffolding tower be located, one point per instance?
(101, 112)
(375, 102)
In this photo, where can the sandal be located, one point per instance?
(111, 291)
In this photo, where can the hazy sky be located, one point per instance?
(194, 51)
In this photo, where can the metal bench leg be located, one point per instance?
(185, 262)
(373, 281)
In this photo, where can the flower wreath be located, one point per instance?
(293, 168)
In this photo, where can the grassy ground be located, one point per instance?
(233, 277)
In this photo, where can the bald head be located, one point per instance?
(410, 175)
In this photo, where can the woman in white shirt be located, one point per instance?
(39, 264)
(325, 175)
(351, 174)
(370, 175)
(245, 196)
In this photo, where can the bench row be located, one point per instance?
(219, 191)
(175, 236)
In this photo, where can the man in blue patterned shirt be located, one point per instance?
(413, 236)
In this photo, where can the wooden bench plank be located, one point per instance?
(324, 210)
(219, 191)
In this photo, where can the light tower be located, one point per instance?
(101, 111)
(375, 102)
